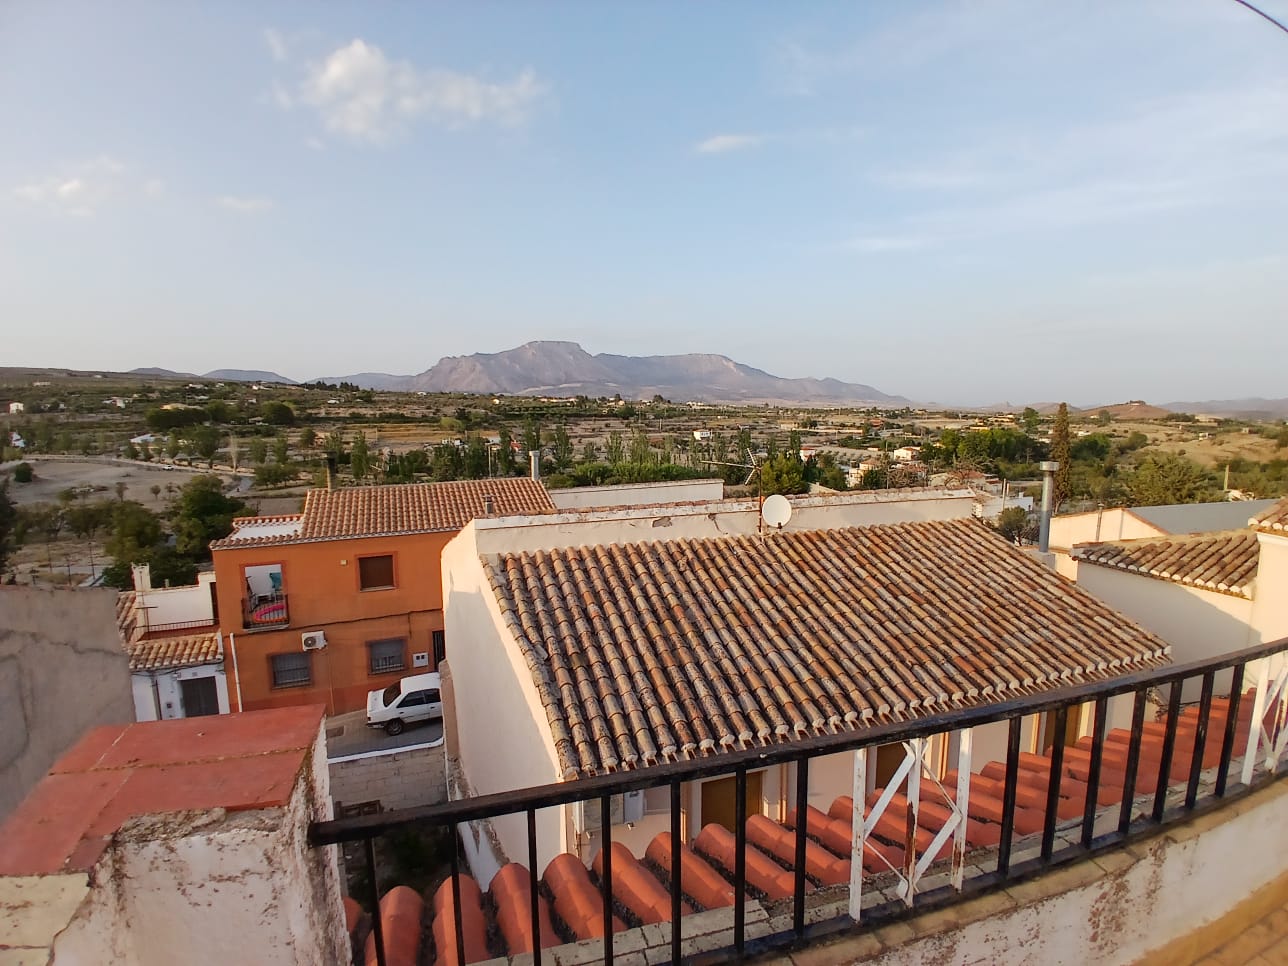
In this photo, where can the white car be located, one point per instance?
(415, 698)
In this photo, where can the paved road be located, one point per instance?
(348, 734)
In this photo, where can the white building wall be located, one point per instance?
(1114, 523)
(174, 605)
(502, 733)
(159, 694)
(637, 494)
(726, 518)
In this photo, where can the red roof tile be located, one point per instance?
(656, 651)
(370, 511)
(1222, 562)
(175, 652)
(117, 772)
(1274, 520)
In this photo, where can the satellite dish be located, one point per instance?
(776, 510)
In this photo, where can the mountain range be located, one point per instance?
(566, 369)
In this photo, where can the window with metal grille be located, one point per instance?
(376, 573)
(292, 670)
(386, 656)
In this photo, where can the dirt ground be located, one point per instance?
(96, 479)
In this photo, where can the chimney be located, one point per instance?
(534, 458)
(1048, 468)
(489, 507)
(331, 470)
(142, 574)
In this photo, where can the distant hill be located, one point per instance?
(371, 380)
(157, 373)
(247, 375)
(1134, 409)
(1252, 408)
(566, 369)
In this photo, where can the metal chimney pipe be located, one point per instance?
(1048, 468)
(534, 459)
(488, 506)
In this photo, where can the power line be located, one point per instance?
(1262, 13)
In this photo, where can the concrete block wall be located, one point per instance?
(397, 779)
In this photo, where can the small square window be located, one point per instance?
(386, 656)
(292, 670)
(376, 573)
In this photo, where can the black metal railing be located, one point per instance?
(1059, 841)
(171, 627)
(267, 611)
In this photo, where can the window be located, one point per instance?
(386, 656)
(413, 700)
(440, 648)
(292, 670)
(376, 573)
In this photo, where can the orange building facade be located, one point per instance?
(346, 597)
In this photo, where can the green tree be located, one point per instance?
(1015, 524)
(172, 445)
(204, 441)
(308, 438)
(1030, 419)
(145, 452)
(615, 450)
(281, 449)
(360, 457)
(589, 452)
(783, 474)
(134, 532)
(531, 435)
(131, 452)
(23, 473)
(202, 513)
(1163, 478)
(641, 452)
(8, 526)
(561, 447)
(476, 457)
(505, 453)
(258, 451)
(277, 414)
(1060, 453)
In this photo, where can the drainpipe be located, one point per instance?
(1048, 468)
(232, 648)
(534, 459)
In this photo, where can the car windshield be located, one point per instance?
(391, 694)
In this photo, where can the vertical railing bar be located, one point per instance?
(677, 887)
(858, 830)
(1255, 729)
(533, 887)
(1093, 771)
(740, 860)
(1053, 784)
(1133, 757)
(1169, 745)
(798, 887)
(1231, 726)
(606, 884)
(1200, 739)
(377, 928)
(456, 897)
(1008, 797)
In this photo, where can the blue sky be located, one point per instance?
(960, 202)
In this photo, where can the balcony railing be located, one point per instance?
(1107, 789)
(265, 612)
(173, 627)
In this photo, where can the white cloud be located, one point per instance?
(245, 206)
(361, 94)
(276, 45)
(723, 143)
(77, 189)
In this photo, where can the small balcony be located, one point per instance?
(265, 612)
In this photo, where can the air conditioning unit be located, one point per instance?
(314, 640)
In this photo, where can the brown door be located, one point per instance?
(889, 758)
(718, 800)
(1070, 729)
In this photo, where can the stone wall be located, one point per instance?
(62, 670)
(398, 779)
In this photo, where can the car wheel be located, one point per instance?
(394, 727)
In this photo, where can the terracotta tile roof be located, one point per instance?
(1273, 520)
(117, 772)
(127, 616)
(655, 651)
(1223, 562)
(175, 652)
(369, 511)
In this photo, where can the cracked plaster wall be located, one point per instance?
(62, 671)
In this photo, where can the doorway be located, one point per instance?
(200, 697)
(719, 803)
